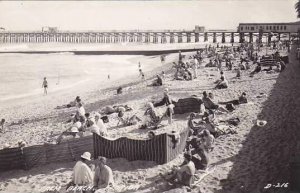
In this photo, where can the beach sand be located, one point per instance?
(245, 162)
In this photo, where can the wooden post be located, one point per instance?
(242, 38)
(232, 38)
(250, 37)
(179, 37)
(196, 37)
(188, 37)
(223, 37)
(172, 40)
(214, 37)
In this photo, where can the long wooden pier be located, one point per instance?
(162, 37)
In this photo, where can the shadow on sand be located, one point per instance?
(266, 152)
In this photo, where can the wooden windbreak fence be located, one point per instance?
(160, 149)
(28, 157)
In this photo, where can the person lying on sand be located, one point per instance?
(114, 109)
(222, 84)
(209, 104)
(71, 104)
(127, 121)
(242, 99)
(103, 176)
(182, 175)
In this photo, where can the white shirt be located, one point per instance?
(81, 111)
(101, 125)
(82, 174)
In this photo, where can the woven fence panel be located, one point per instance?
(11, 158)
(187, 105)
(35, 156)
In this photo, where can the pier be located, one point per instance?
(156, 37)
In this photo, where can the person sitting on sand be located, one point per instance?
(2, 125)
(209, 104)
(103, 174)
(182, 175)
(68, 134)
(92, 127)
(256, 70)
(99, 122)
(208, 140)
(152, 119)
(238, 72)
(82, 174)
(80, 109)
(192, 125)
(241, 100)
(222, 84)
(158, 81)
(166, 100)
(222, 75)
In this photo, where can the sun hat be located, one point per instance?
(86, 155)
(261, 123)
(122, 109)
(74, 130)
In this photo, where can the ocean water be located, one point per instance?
(21, 75)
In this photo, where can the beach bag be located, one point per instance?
(230, 107)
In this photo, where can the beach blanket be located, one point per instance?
(187, 105)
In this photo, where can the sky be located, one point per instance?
(142, 15)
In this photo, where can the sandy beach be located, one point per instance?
(244, 162)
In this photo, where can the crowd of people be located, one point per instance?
(202, 125)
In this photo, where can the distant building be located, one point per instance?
(199, 28)
(269, 27)
(50, 29)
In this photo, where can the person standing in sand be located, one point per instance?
(45, 86)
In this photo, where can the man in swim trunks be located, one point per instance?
(45, 85)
